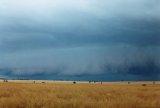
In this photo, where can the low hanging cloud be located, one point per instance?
(85, 37)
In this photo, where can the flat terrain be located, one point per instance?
(62, 94)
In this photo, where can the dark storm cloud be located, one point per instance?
(149, 69)
(142, 33)
(80, 37)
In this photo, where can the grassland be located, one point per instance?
(54, 94)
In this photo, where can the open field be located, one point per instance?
(62, 94)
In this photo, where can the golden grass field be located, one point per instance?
(57, 94)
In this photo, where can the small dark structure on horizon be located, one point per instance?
(5, 80)
(144, 84)
(74, 82)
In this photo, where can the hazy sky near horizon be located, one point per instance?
(80, 37)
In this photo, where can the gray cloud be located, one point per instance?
(80, 37)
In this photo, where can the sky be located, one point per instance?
(80, 39)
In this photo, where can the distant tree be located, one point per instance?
(74, 82)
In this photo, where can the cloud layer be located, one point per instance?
(85, 37)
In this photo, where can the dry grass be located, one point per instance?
(81, 95)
